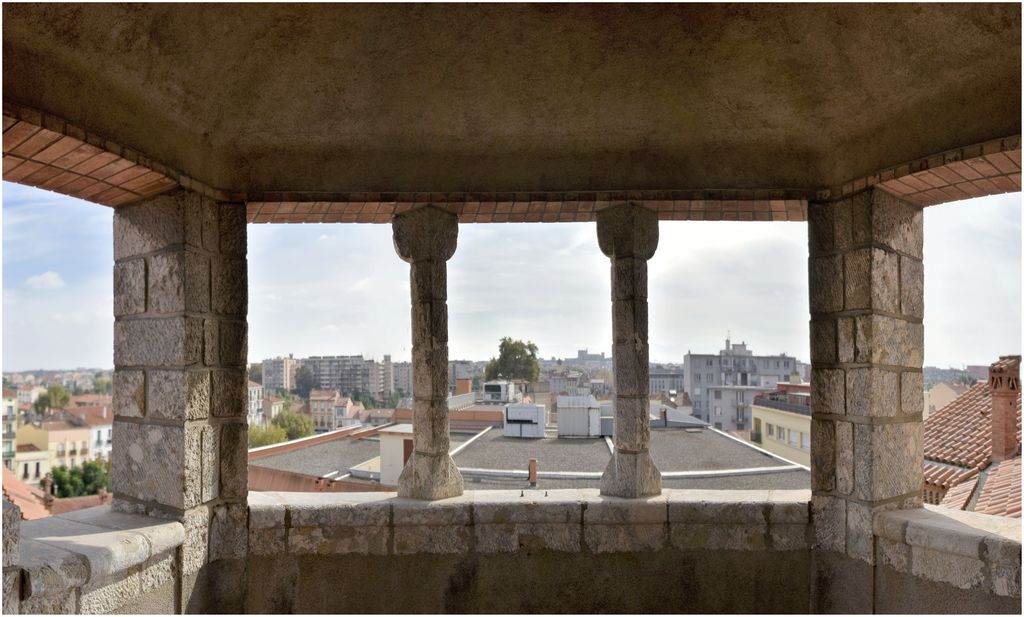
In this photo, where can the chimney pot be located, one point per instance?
(1004, 388)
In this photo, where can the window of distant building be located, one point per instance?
(794, 439)
(696, 392)
(696, 378)
(710, 363)
(718, 394)
(805, 441)
(24, 475)
(771, 430)
(37, 470)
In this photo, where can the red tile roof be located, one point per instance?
(960, 495)
(961, 433)
(28, 498)
(91, 415)
(27, 447)
(1000, 494)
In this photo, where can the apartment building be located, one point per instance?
(403, 377)
(722, 386)
(65, 442)
(666, 378)
(254, 409)
(781, 422)
(279, 373)
(10, 423)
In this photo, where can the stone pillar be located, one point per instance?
(11, 557)
(867, 346)
(628, 234)
(180, 300)
(426, 239)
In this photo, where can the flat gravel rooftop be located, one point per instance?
(495, 451)
(679, 450)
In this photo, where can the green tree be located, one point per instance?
(256, 372)
(394, 399)
(516, 360)
(78, 481)
(259, 436)
(295, 425)
(55, 397)
(305, 381)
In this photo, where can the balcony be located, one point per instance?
(669, 553)
(803, 410)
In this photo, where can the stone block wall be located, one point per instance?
(867, 342)
(180, 301)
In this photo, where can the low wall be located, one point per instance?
(507, 551)
(511, 551)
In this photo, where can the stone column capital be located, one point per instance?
(627, 230)
(426, 233)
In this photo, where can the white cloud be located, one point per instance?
(46, 280)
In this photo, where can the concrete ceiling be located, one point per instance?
(337, 98)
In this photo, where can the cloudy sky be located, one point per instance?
(340, 289)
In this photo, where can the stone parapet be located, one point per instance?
(512, 521)
(964, 549)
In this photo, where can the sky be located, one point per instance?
(341, 289)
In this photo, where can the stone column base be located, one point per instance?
(631, 475)
(430, 476)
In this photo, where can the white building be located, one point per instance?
(255, 409)
(578, 416)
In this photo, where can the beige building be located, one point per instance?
(66, 443)
(782, 422)
(31, 464)
(940, 395)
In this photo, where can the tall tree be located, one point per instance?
(516, 360)
(259, 436)
(256, 372)
(295, 425)
(55, 397)
(305, 381)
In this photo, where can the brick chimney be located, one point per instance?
(1004, 386)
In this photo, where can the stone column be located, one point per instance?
(867, 346)
(628, 234)
(180, 300)
(426, 239)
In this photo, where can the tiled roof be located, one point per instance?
(323, 394)
(961, 433)
(1000, 494)
(960, 495)
(29, 499)
(27, 447)
(8, 393)
(946, 476)
(91, 415)
(59, 425)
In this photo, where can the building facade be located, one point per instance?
(403, 378)
(10, 424)
(279, 373)
(666, 378)
(781, 422)
(722, 385)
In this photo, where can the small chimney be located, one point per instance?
(1004, 387)
(533, 472)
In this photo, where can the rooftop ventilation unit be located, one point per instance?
(524, 420)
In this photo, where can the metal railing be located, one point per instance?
(803, 410)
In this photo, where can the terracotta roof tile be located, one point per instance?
(28, 498)
(1000, 495)
(958, 496)
(961, 433)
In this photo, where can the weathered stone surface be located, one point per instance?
(162, 535)
(64, 603)
(178, 394)
(179, 280)
(859, 534)
(209, 482)
(885, 340)
(825, 283)
(632, 370)
(823, 455)
(233, 343)
(130, 287)
(629, 278)
(425, 233)
(129, 393)
(111, 596)
(229, 284)
(629, 321)
(169, 342)
(149, 226)
(358, 540)
(432, 381)
(789, 537)
(844, 457)
(897, 224)
(605, 510)
(857, 279)
(229, 537)
(430, 426)
(728, 536)
(627, 230)
(892, 553)
(885, 281)
(152, 463)
(872, 392)
(820, 227)
(195, 549)
(11, 590)
(828, 515)
(1005, 579)
(956, 570)
(108, 552)
(888, 460)
(11, 533)
(515, 537)
(632, 425)
(428, 280)
(268, 541)
(229, 396)
(911, 287)
(211, 342)
(429, 476)
(507, 507)
(631, 475)
(611, 538)
(231, 226)
(432, 539)
(828, 391)
(846, 339)
(233, 463)
(441, 513)
(912, 392)
(823, 341)
(725, 507)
